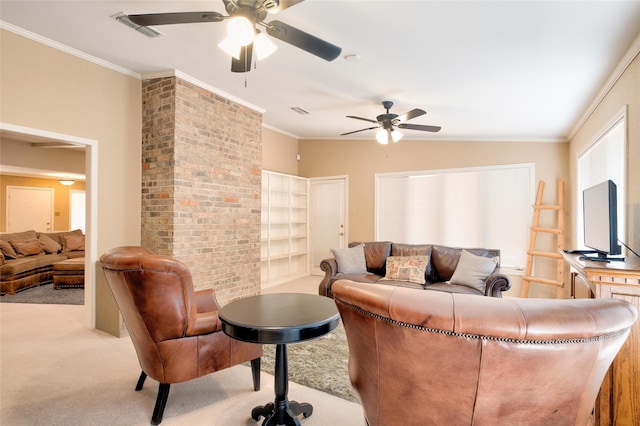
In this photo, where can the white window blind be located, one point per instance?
(487, 207)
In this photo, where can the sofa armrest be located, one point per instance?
(330, 268)
(497, 283)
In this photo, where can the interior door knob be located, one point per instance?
(341, 234)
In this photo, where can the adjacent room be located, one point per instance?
(455, 161)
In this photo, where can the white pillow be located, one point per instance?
(350, 260)
(472, 271)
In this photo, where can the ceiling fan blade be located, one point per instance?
(420, 127)
(243, 64)
(360, 118)
(281, 5)
(409, 115)
(305, 41)
(152, 19)
(361, 130)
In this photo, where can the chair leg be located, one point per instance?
(255, 372)
(143, 377)
(158, 411)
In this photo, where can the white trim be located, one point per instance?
(91, 188)
(627, 59)
(202, 85)
(64, 48)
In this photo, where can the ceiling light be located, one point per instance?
(67, 181)
(264, 47)
(240, 32)
(384, 136)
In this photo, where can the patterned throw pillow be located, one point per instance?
(29, 247)
(407, 268)
(351, 260)
(472, 271)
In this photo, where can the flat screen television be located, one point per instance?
(600, 218)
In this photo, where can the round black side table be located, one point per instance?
(279, 319)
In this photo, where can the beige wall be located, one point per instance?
(61, 217)
(626, 91)
(44, 88)
(279, 152)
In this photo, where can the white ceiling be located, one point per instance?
(483, 70)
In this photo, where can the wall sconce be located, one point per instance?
(67, 181)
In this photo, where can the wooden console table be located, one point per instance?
(618, 402)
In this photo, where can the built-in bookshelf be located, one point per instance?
(284, 228)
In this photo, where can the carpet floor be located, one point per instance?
(45, 294)
(331, 375)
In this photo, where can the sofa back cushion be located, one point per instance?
(445, 260)
(25, 235)
(400, 249)
(375, 255)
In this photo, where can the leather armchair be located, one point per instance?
(433, 358)
(175, 330)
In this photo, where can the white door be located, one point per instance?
(29, 208)
(78, 201)
(327, 218)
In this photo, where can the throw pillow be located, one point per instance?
(7, 250)
(472, 271)
(49, 245)
(29, 247)
(72, 242)
(350, 260)
(407, 268)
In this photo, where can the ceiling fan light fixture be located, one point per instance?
(231, 47)
(395, 135)
(241, 30)
(382, 137)
(264, 47)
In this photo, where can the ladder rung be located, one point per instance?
(548, 230)
(545, 254)
(546, 207)
(544, 281)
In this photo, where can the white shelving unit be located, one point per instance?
(284, 228)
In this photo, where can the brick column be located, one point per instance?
(201, 184)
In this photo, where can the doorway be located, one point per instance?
(29, 208)
(328, 218)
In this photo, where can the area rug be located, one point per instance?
(45, 294)
(320, 364)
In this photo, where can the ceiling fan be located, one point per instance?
(388, 123)
(254, 13)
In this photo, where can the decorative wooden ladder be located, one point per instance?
(558, 231)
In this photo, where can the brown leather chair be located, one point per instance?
(434, 358)
(174, 329)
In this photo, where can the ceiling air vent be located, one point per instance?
(124, 18)
(299, 110)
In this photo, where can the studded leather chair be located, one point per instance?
(434, 358)
(175, 330)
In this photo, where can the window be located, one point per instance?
(486, 207)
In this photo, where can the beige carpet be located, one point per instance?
(53, 371)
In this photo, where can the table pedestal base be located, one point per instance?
(282, 411)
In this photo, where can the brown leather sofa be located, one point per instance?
(19, 271)
(175, 330)
(432, 358)
(442, 264)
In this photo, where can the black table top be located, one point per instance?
(279, 318)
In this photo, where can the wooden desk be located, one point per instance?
(618, 402)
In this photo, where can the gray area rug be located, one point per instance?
(320, 364)
(45, 294)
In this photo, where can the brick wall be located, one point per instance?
(201, 161)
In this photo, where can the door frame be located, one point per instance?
(91, 188)
(345, 212)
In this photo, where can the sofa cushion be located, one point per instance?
(56, 236)
(72, 242)
(472, 271)
(375, 255)
(351, 260)
(406, 268)
(7, 250)
(30, 247)
(48, 245)
(25, 264)
(25, 235)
